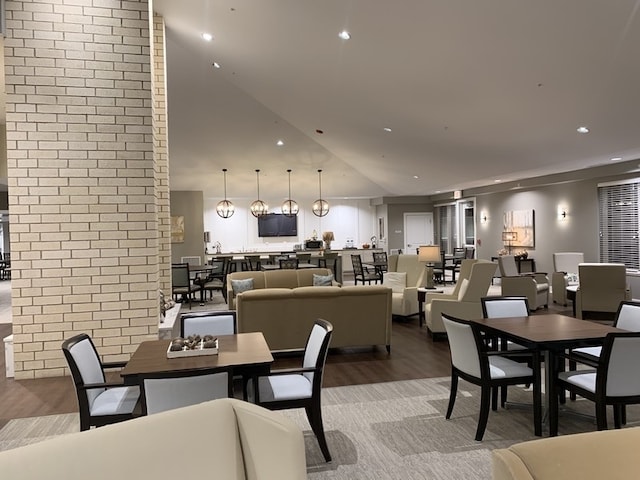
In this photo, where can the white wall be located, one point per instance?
(354, 219)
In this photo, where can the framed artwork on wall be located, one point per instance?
(522, 223)
(177, 229)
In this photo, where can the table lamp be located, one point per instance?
(509, 237)
(429, 254)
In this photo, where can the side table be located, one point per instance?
(422, 296)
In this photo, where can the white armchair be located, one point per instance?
(565, 273)
(464, 303)
(534, 286)
(405, 274)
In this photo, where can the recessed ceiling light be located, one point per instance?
(416, 176)
(582, 130)
(497, 180)
(386, 129)
(616, 159)
(216, 65)
(207, 36)
(344, 35)
(279, 143)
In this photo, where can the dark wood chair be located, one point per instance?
(251, 263)
(459, 254)
(99, 402)
(380, 258)
(183, 287)
(329, 260)
(216, 280)
(302, 387)
(472, 361)
(289, 263)
(361, 274)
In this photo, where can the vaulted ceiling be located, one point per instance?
(474, 92)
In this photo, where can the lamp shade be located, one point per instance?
(509, 236)
(429, 253)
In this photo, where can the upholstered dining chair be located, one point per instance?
(99, 402)
(300, 388)
(216, 279)
(168, 390)
(472, 361)
(218, 322)
(360, 273)
(182, 285)
(615, 381)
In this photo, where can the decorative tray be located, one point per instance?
(192, 348)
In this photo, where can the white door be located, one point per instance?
(418, 230)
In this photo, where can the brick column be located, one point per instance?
(82, 193)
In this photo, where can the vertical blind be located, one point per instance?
(619, 224)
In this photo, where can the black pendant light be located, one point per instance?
(320, 206)
(290, 207)
(225, 208)
(258, 207)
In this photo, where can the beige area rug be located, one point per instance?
(394, 430)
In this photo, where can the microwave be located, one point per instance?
(313, 244)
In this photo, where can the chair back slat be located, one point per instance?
(628, 316)
(209, 323)
(464, 348)
(85, 365)
(180, 275)
(501, 307)
(317, 347)
(620, 357)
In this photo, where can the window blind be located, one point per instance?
(618, 221)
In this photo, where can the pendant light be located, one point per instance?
(290, 207)
(258, 207)
(320, 207)
(225, 208)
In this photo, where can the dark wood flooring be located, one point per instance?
(413, 355)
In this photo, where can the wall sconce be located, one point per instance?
(562, 213)
(483, 217)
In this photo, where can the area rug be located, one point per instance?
(394, 430)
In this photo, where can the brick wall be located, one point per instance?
(82, 179)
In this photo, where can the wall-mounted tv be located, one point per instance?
(277, 225)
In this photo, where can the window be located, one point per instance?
(618, 218)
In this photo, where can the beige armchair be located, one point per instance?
(404, 297)
(534, 286)
(464, 302)
(565, 273)
(601, 288)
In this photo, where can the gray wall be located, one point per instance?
(190, 205)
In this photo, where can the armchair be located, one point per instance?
(565, 273)
(404, 296)
(601, 288)
(534, 286)
(464, 303)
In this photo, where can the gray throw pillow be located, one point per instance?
(240, 286)
(322, 280)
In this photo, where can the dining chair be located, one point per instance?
(300, 388)
(163, 391)
(472, 361)
(454, 267)
(615, 381)
(182, 285)
(251, 263)
(504, 307)
(360, 273)
(216, 279)
(329, 260)
(289, 263)
(99, 402)
(303, 257)
(218, 322)
(381, 257)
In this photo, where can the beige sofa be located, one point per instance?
(404, 297)
(464, 302)
(275, 279)
(360, 315)
(224, 438)
(609, 454)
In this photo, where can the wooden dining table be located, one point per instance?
(247, 354)
(547, 336)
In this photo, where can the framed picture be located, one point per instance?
(521, 226)
(177, 229)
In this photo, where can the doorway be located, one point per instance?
(418, 230)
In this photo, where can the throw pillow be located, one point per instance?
(397, 281)
(322, 280)
(240, 286)
(463, 288)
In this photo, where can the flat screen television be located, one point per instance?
(277, 225)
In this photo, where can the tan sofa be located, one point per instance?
(275, 279)
(405, 299)
(360, 315)
(464, 302)
(224, 438)
(609, 454)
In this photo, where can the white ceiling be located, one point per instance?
(474, 91)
